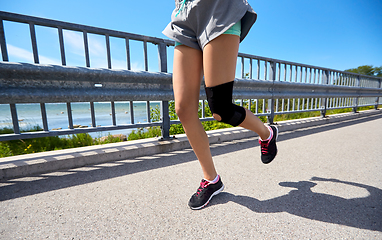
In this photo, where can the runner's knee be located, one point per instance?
(220, 102)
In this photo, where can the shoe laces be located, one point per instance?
(203, 185)
(264, 146)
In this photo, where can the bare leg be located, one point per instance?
(219, 61)
(187, 75)
(253, 123)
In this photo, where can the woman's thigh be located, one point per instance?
(219, 59)
(187, 76)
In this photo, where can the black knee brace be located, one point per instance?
(220, 102)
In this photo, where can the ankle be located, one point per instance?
(268, 134)
(215, 180)
(211, 178)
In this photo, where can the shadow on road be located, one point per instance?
(362, 213)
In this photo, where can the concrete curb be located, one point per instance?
(24, 165)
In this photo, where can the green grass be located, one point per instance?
(291, 116)
(140, 133)
(34, 145)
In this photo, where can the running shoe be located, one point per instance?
(204, 194)
(269, 148)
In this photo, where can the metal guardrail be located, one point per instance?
(274, 86)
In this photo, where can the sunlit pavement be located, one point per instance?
(325, 183)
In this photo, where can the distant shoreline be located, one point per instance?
(29, 115)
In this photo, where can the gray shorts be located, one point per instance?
(200, 21)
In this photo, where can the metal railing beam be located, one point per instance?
(78, 27)
(34, 83)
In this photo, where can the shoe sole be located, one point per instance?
(214, 194)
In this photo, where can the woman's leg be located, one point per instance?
(219, 62)
(187, 75)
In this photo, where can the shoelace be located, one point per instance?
(181, 7)
(203, 185)
(264, 146)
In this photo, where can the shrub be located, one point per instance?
(34, 145)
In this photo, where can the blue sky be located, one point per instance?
(338, 34)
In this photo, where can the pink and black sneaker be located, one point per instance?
(268, 147)
(204, 193)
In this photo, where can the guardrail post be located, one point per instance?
(325, 80)
(34, 42)
(377, 98)
(162, 55)
(3, 45)
(357, 84)
(271, 102)
(15, 120)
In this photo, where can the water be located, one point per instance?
(29, 115)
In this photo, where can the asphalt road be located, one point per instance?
(325, 183)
